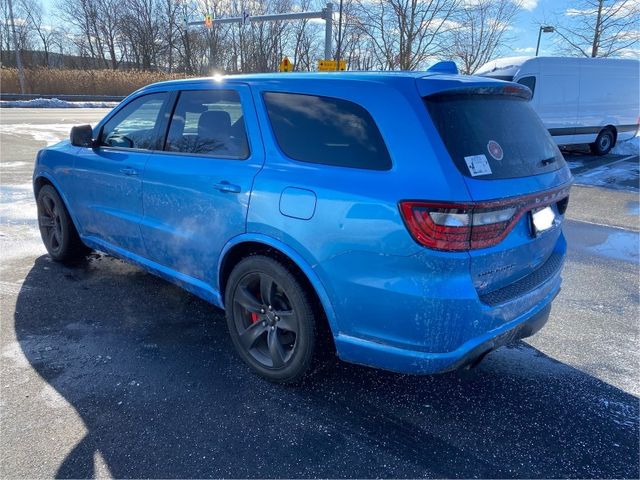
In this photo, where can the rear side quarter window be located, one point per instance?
(326, 130)
(529, 82)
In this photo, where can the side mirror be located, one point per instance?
(82, 136)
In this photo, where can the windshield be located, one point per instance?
(493, 136)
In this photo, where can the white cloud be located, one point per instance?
(525, 4)
(529, 4)
(620, 9)
(629, 53)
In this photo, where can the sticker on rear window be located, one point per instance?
(478, 165)
(495, 150)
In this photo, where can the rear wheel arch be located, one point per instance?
(605, 140)
(249, 248)
(613, 130)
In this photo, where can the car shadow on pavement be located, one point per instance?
(152, 373)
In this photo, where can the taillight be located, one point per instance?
(466, 226)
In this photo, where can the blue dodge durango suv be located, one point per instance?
(409, 220)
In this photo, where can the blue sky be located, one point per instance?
(525, 29)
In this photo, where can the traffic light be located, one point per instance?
(286, 65)
(208, 20)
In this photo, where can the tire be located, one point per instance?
(605, 141)
(58, 233)
(271, 319)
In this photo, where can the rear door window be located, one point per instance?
(326, 130)
(493, 136)
(208, 122)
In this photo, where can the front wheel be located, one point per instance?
(271, 319)
(58, 233)
(604, 142)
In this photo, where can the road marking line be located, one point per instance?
(617, 227)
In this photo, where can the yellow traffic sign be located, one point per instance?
(331, 65)
(285, 65)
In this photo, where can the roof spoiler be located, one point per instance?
(446, 66)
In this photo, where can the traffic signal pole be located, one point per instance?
(326, 14)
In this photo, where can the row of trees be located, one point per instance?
(375, 34)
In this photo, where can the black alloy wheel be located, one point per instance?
(270, 318)
(58, 233)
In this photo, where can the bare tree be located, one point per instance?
(482, 29)
(48, 36)
(108, 27)
(141, 26)
(405, 34)
(303, 45)
(171, 23)
(83, 17)
(600, 28)
(351, 40)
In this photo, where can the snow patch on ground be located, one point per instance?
(613, 175)
(54, 103)
(621, 246)
(12, 164)
(628, 147)
(19, 233)
(50, 133)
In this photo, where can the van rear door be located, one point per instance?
(512, 169)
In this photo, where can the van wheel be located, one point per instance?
(271, 319)
(604, 142)
(58, 233)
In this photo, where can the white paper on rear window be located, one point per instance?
(478, 165)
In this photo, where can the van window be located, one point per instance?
(134, 125)
(208, 122)
(326, 130)
(529, 82)
(493, 136)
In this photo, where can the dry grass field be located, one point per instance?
(80, 82)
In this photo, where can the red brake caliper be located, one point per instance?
(254, 317)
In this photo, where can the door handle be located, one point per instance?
(129, 171)
(227, 187)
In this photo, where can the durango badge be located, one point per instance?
(495, 150)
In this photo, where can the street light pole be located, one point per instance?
(545, 29)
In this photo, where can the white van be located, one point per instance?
(580, 100)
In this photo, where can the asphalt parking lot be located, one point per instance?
(108, 371)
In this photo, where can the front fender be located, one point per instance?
(295, 257)
(51, 179)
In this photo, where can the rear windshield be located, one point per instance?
(493, 136)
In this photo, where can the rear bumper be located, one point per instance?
(379, 355)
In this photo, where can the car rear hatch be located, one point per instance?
(515, 175)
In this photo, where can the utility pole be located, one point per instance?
(339, 47)
(328, 29)
(16, 47)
